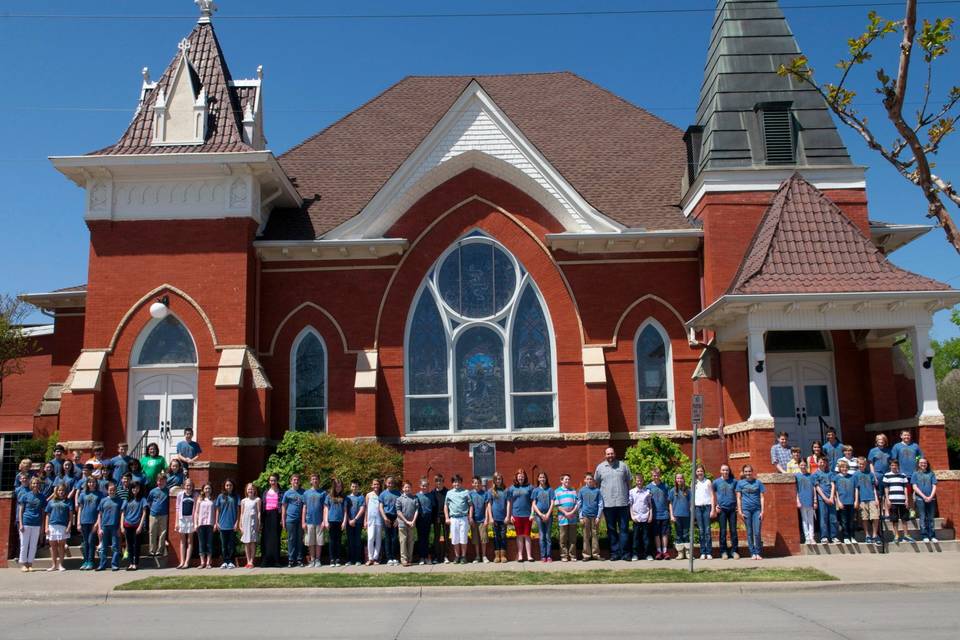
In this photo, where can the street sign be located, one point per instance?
(696, 413)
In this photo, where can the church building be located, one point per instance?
(527, 261)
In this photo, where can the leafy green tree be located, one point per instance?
(14, 345)
(917, 137)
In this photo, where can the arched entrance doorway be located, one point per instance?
(163, 386)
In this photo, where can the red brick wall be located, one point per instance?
(67, 342)
(22, 392)
(8, 529)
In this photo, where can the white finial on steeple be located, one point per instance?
(145, 72)
(207, 7)
(259, 72)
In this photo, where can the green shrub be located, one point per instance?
(39, 450)
(953, 451)
(328, 456)
(660, 453)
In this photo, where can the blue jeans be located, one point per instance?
(728, 520)
(618, 531)
(499, 536)
(641, 539)
(205, 539)
(703, 526)
(926, 512)
(753, 523)
(228, 542)
(828, 520)
(391, 541)
(111, 539)
(88, 538)
(424, 524)
(294, 541)
(355, 544)
(682, 526)
(544, 527)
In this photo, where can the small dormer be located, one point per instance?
(180, 112)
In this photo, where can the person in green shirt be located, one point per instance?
(152, 464)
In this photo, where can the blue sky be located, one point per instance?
(70, 86)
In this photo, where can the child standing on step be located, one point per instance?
(896, 490)
(866, 501)
(845, 489)
(924, 483)
(806, 501)
(827, 511)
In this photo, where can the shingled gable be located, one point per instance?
(226, 102)
(624, 162)
(805, 244)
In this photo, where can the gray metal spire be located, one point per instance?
(748, 116)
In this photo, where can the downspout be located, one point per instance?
(718, 385)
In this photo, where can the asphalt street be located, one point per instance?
(712, 611)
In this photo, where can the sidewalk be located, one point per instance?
(911, 571)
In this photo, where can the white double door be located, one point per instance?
(802, 392)
(163, 405)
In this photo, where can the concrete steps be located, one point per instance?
(939, 546)
(43, 559)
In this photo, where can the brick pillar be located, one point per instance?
(761, 438)
(781, 532)
(932, 439)
(8, 527)
(948, 498)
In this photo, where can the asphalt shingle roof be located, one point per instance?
(805, 244)
(624, 161)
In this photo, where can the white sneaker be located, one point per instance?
(926, 539)
(650, 558)
(230, 565)
(846, 541)
(486, 559)
(634, 558)
(709, 557)
(446, 561)
(477, 561)
(223, 566)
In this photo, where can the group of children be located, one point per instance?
(834, 487)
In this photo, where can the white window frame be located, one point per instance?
(453, 335)
(668, 364)
(293, 408)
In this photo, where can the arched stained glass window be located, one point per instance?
(479, 350)
(654, 378)
(308, 383)
(168, 342)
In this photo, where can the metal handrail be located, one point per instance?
(139, 449)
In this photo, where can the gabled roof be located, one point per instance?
(226, 102)
(625, 162)
(805, 244)
(749, 40)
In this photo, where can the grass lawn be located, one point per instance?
(472, 579)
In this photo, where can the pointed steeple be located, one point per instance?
(748, 116)
(195, 106)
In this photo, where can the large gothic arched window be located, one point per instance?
(308, 382)
(479, 349)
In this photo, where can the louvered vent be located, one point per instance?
(778, 134)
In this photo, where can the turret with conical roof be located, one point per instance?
(748, 116)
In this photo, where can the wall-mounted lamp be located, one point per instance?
(760, 358)
(928, 361)
(160, 308)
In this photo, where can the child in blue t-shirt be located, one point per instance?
(356, 505)
(924, 483)
(314, 503)
(108, 527)
(590, 506)
(227, 522)
(292, 515)
(498, 515)
(134, 516)
(88, 500)
(750, 504)
(58, 525)
(661, 514)
(806, 501)
(845, 487)
(867, 504)
(827, 510)
(158, 500)
(480, 500)
(542, 497)
(679, 498)
(519, 510)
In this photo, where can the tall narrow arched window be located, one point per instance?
(654, 368)
(308, 382)
(479, 346)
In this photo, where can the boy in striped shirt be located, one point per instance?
(565, 499)
(896, 487)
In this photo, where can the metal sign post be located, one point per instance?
(696, 417)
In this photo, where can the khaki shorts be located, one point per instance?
(869, 510)
(480, 528)
(315, 535)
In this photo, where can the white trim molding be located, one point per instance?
(627, 241)
(474, 132)
(769, 179)
(347, 249)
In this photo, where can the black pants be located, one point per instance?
(641, 539)
(205, 539)
(336, 533)
(440, 537)
(423, 538)
(500, 536)
(354, 544)
(228, 543)
(270, 547)
(133, 544)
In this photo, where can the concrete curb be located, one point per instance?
(440, 593)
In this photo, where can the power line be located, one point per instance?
(440, 16)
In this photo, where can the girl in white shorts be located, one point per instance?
(186, 521)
